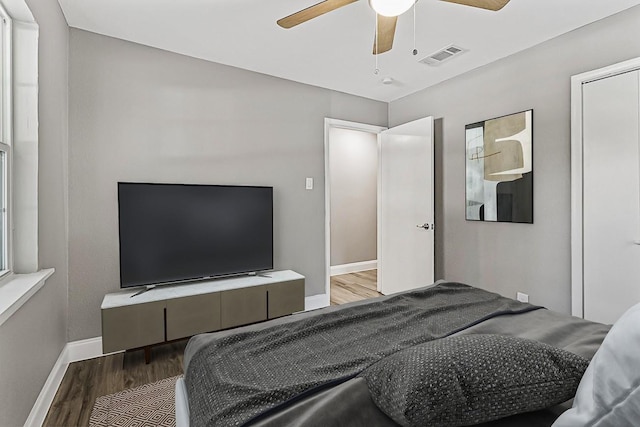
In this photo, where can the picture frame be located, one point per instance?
(499, 169)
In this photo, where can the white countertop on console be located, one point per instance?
(165, 292)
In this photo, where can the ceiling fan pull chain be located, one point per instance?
(415, 49)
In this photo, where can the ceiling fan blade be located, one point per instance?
(483, 4)
(383, 41)
(312, 12)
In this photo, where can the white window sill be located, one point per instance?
(18, 289)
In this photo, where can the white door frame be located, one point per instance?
(341, 124)
(577, 244)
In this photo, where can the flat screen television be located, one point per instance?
(176, 232)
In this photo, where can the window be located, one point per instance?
(20, 275)
(5, 142)
(4, 229)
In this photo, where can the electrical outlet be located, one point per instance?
(522, 297)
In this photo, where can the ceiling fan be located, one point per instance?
(387, 11)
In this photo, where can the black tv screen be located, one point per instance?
(175, 232)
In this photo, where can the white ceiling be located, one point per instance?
(334, 50)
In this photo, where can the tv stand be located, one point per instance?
(173, 312)
(142, 291)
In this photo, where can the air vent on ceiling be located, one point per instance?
(443, 55)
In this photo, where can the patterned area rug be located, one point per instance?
(148, 405)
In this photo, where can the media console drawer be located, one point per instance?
(192, 315)
(243, 306)
(171, 312)
(285, 298)
(132, 326)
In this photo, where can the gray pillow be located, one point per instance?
(469, 379)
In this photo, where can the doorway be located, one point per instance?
(378, 208)
(352, 187)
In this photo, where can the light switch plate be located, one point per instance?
(309, 184)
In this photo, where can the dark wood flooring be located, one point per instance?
(86, 380)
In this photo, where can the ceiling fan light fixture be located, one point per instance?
(391, 7)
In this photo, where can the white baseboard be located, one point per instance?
(45, 398)
(316, 301)
(84, 349)
(354, 267)
(72, 352)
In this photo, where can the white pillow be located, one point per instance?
(609, 392)
(182, 404)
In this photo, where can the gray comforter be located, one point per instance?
(301, 370)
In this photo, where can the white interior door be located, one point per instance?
(611, 196)
(405, 207)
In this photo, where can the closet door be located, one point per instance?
(611, 199)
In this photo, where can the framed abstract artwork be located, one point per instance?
(499, 169)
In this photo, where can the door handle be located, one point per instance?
(425, 226)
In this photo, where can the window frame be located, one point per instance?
(23, 277)
(6, 140)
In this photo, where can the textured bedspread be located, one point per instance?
(233, 378)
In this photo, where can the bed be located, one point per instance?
(447, 354)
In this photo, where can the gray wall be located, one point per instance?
(31, 340)
(354, 195)
(507, 258)
(143, 114)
